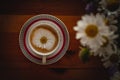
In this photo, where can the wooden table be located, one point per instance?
(14, 65)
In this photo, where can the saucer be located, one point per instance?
(48, 20)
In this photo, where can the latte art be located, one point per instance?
(44, 39)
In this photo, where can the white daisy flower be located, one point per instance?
(90, 31)
(106, 61)
(44, 39)
(108, 48)
(110, 60)
(111, 21)
(110, 6)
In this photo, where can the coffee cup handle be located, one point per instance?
(44, 59)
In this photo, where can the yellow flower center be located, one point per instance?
(91, 31)
(43, 40)
(105, 43)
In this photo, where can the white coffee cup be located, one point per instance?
(52, 26)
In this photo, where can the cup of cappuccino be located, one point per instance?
(44, 39)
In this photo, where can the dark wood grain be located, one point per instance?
(58, 7)
(46, 74)
(12, 57)
(14, 65)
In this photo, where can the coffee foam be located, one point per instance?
(50, 35)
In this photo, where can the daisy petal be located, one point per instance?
(79, 35)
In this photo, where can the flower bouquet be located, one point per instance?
(98, 33)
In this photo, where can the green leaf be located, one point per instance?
(84, 55)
